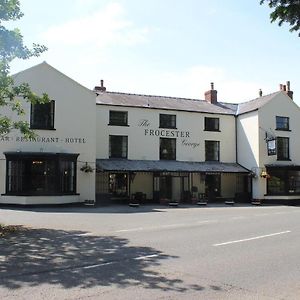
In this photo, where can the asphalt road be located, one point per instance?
(151, 252)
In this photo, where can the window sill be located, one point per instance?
(39, 195)
(123, 125)
(167, 127)
(286, 159)
(282, 129)
(36, 128)
(117, 157)
(212, 130)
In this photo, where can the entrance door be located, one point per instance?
(212, 186)
(176, 191)
(166, 187)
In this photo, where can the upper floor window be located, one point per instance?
(167, 121)
(42, 115)
(282, 123)
(211, 124)
(118, 145)
(283, 151)
(167, 149)
(212, 150)
(119, 118)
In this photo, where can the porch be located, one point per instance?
(124, 181)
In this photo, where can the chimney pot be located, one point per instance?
(288, 86)
(100, 88)
(260, 93)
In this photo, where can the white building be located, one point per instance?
(156, 149)
(47, 169)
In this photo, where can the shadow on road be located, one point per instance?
(35, 257)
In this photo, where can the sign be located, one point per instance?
(43, 139)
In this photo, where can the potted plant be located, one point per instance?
(86, 168)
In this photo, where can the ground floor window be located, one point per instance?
(40, 173)
(283, 181)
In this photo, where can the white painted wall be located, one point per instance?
(143, 146)
(74, 118)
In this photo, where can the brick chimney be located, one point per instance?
(211, 95)
(100, 88)
(286, 89)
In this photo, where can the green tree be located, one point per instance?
(285, 11)
(11, 47)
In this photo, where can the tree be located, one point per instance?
(11, 47)
(287, 11)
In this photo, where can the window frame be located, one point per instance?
(123, 154)
(53, 182)
(172, 154)
(278, 122)
(172, 120)
(206, 144)
(114, 122)
(286, 181)
(207, 121)
(278, 145)
(34, 124)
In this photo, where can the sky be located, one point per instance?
(164, 47)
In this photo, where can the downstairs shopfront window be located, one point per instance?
(40, 174)
(283, 182)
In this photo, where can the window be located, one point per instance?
(42, 115)
(167, 149)
(282, 123)
(283, 181)
(118, 118)
(37, 174)
(211, 124)
(212, 150)
(118, 145)
(283, 148)
(167, 121)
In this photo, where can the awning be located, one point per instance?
(167, 166)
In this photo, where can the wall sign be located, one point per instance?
(44, 139)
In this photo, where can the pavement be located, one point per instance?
(151, 252)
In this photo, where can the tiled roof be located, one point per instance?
(182, 104)
(167, 166)
(255, 104)
(160, 102)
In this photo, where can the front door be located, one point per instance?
(213, 186)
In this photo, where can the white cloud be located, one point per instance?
(102, 28)
(191, 82)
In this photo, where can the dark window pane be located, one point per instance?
(119, 118)
(211, 124)
(212, 150)
(283, 148)
(41, 175)
(167, 149)
(42, 115)
(167, 121)
(282, 123)
(118, 146)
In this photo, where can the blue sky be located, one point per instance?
(164, 47)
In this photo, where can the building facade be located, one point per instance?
(46, 169)
(118, 147)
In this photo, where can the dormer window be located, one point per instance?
(42, 115)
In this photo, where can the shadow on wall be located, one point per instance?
(64, 259)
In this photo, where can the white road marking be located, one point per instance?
(253, 238)
(165, 226)
(114, 262)
(146, 256)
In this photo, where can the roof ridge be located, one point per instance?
(156, 96)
